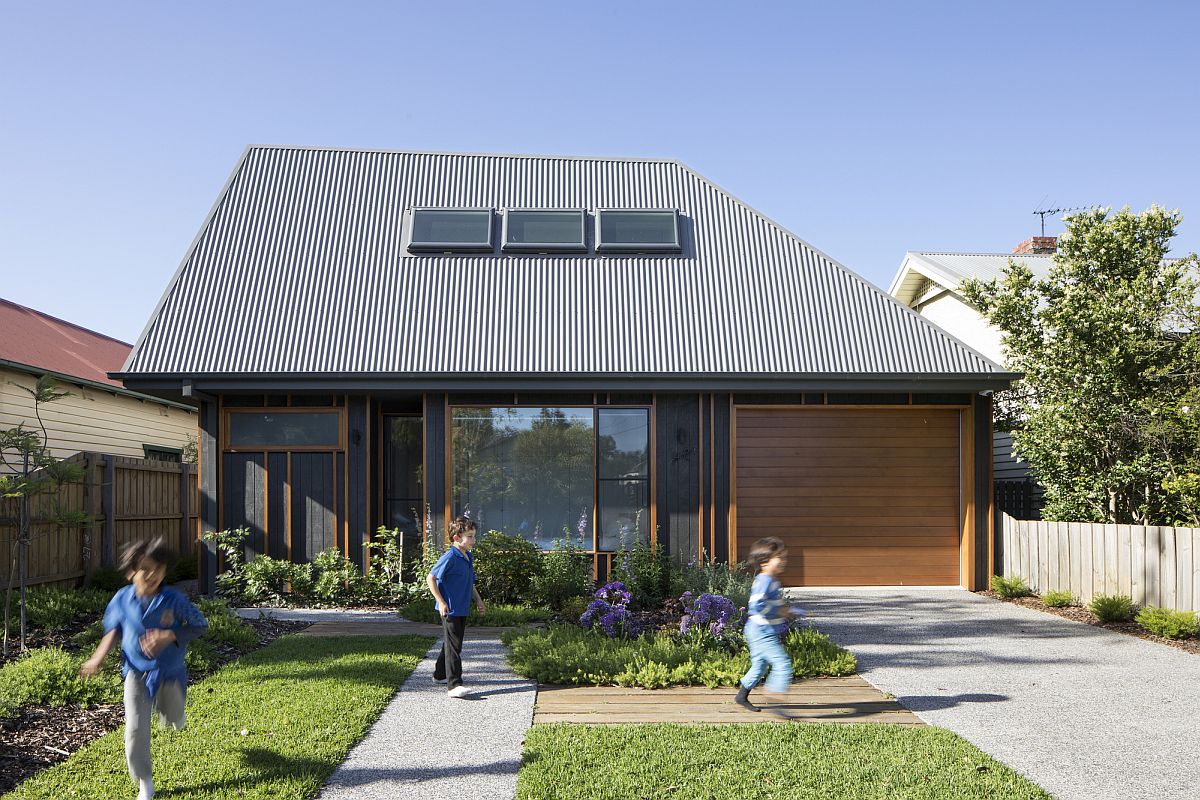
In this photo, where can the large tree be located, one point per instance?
(1108, 410)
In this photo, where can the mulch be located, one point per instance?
(41, 736)
(1078, 614)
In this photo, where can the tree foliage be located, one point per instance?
(1108, 410)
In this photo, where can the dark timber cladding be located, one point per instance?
(677, 459)
(861, 496)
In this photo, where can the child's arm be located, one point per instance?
(92, 665)
(478, 601)
(189, 624)
(442, 608)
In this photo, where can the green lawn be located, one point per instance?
(776, 761)
(302, 701)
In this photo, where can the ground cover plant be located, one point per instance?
(1112, 607)
(498, 615)
(1055, 599)
(274, 724)
(747, 762)
(1168, 623)
(1009, 588)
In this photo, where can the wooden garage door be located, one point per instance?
(863, 497)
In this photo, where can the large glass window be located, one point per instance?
(402, 473)
(532, 472)
(623, 448)
(540, 230)
(285, 429)
(451, 230)
(621, 230)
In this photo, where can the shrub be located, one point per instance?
(572, 609)
(50, 676)
(498, 615)
(185, 569)
(1112, 607)
(566, 573)
(232, 545)
(646, 570)
(609, 611)
(709, 615)
(54, 608)
(506, 567)
(1055, 599)
(107, 579)
(387, 566)
(1168, 623)
(266, 579)
(336, 577)
(704, 576)
(565, 654)
(1009, 588)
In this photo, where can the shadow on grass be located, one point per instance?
(265, 766)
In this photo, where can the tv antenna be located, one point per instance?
(1052, 211)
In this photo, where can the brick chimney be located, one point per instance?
(1038, 246)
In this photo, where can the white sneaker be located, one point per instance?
(145, 790)
(458, 691)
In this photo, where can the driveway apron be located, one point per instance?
(1087, 713)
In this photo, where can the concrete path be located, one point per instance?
(428, 746)
(1086, 713)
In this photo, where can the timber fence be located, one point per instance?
(1154, 565)
(126, 499)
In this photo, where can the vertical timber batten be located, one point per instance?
(984, 512)
(209, 458)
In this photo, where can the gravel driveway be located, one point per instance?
(1086, 713)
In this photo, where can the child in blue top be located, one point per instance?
(767, 625)
(452, 584)
(154, 625)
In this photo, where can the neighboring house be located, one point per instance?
(595, 347)
(928, 283)
(99, 414)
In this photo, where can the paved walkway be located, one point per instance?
(1086, 713)
(428, 746)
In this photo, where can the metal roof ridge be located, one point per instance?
(402, 151)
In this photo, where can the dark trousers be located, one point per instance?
(449, 663)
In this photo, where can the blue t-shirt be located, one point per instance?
(455, 576)
(766, 604)
(168, 609)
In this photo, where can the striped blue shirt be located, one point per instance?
(766, 603)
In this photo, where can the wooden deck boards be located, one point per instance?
(849, 699)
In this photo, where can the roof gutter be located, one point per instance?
(107, 387)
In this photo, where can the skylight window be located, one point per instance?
(538, 230)
(451, 230)
(637, 231)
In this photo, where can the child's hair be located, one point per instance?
(764, 550)
(459, 527)
(156, 550)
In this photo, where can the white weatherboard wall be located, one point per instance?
(953, 314)
(1155, 565)
(94, 419)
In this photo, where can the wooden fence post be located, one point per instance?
(185, 493)
(108, 551)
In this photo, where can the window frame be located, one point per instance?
(664, 248)
(162, 449)
(227, 428)
(545, 247)
(435, 248)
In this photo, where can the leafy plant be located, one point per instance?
(566, 573)
(1112, 608)
(498, 615)
(645, 569)
(609, 612)
(385, 578)
(50, 676)
(52, 608)
(266, 579)
(706, 576)
(1056, 599)
(107, 579)
(185, 569)
(709, 616)
(336, 577)
(232, 545)
(1168, 623)
(506, 567)
(1008, 588)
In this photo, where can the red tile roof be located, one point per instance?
(44, 342)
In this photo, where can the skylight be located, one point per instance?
(538, 230)
(451, 230)
(630, 230)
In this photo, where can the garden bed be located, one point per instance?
(497, 616)
(39, 736)
(1080, 614)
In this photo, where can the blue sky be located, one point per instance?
(867, 129)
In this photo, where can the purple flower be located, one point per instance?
(710, 613)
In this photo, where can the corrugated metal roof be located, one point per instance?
(43, 342)
(299, 269)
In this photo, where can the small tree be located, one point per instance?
(1106, 411)
(29, 471)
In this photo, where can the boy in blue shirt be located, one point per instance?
(154, 625)
(452, 583)
(767, 624)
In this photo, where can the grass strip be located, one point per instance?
(749, 762)
(273, 724)
(497, 616)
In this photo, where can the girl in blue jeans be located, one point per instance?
(767, 624)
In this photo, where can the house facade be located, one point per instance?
(601, 349)
(98, 414)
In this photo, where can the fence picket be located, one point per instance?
(1085, 567)
(1167, 568)
(1138, 568)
